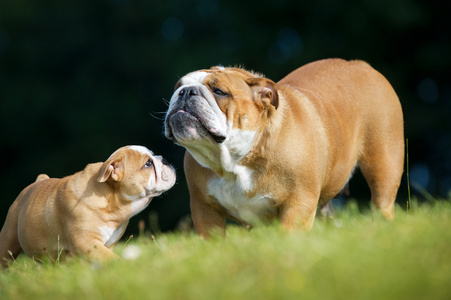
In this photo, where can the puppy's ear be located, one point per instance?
(266, 89)
(114, 168)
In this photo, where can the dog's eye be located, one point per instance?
(220, 93)
(148, 164)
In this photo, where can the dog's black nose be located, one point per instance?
(189, 91)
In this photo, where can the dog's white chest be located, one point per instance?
(231, 195)
(111, 235)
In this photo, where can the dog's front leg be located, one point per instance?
(95, 250)
(298, 213)
(208, 220)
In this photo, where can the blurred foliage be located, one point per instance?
(79, 79)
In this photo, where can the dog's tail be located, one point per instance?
(42, 177)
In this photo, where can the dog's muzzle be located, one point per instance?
(192, 109)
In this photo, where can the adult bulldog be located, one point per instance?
(259, 150)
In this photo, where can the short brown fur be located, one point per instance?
(332, 116)
(58, 216)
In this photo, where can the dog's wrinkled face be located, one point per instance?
(138, 173)
(215, 106)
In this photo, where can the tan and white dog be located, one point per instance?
(88, 212)
(259, 150)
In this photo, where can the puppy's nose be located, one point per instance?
(189, 91)
(164, 162)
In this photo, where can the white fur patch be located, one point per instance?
(138, 205)
(239, 143)
(111, 235)
(231, 189)
(231, 194)
(142, 150)
(194, 78)
(233, 150)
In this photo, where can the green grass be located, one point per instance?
(355, 256)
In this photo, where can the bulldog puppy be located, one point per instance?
(259, 150)
(86, 213)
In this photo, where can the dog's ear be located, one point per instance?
(265, 88)
(114, 168)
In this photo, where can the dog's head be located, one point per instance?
(137, 173)
(217, 106)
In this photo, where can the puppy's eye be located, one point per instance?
(148, 164)
(219, 93)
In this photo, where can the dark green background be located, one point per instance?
(79, 79)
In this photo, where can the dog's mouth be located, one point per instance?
(182, 122)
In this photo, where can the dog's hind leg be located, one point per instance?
(9, 240)
(383, 166)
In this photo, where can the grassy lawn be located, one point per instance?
(355, 256)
